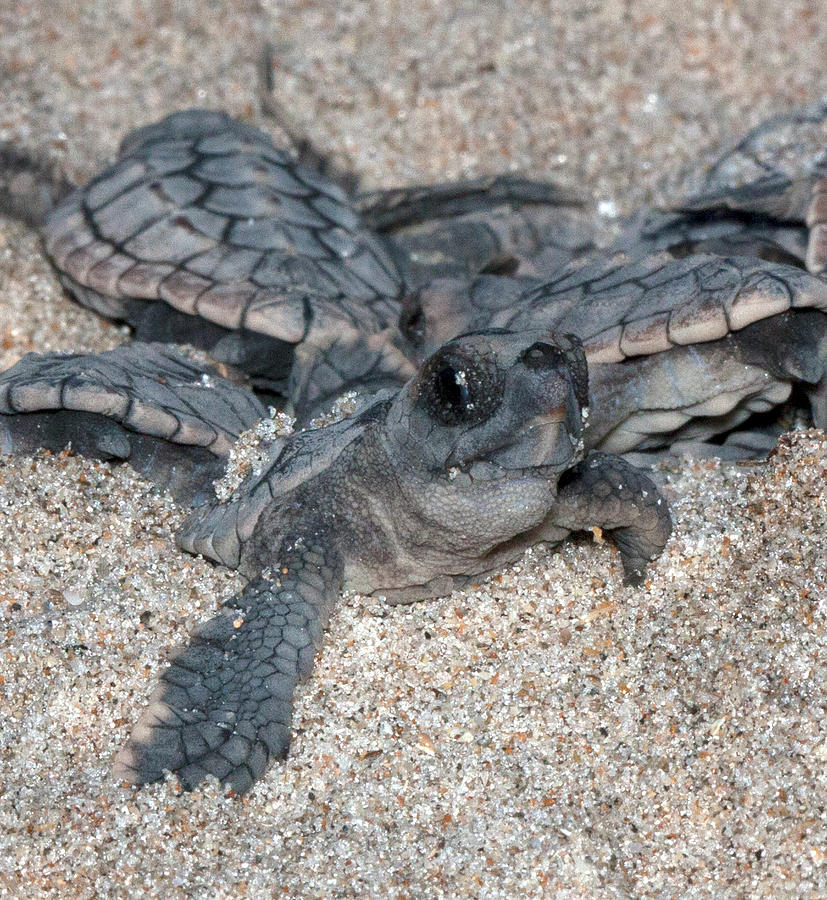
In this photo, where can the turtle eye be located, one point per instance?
(460, 389)
(412, 324)
(451, 392)
(543, 356)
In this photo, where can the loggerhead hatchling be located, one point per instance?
(204, 232)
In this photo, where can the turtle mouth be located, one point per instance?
(545, 444)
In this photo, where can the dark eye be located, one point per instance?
(451, 392)
(460, 390)
(542, 355)
(412, 325)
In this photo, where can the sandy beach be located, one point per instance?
(551, 734)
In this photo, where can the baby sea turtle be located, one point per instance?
(469, 444)
(204, 232)
(477, 457)
(695, 318)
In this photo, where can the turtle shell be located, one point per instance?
(205, 214)
(770, 172)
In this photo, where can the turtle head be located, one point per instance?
(492, 404)
(436, 312)
(479, 438)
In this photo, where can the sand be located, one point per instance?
(552, 734)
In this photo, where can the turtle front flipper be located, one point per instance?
(769, 172)
(609, 493)
(776, 174)
(172, 419)
(205, 217)
(683, 397)
(391, 208)
(224, 705)
(683, 234)
(657, 303)
(496, 224)
(764, 196)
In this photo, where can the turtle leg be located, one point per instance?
(172, 419)
(224, 705)
(607, 492)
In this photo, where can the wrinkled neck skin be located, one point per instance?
(432, 524)
(401, 524)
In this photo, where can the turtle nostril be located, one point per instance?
(542, 355)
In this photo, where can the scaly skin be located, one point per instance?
(609, 491)
(224, 705)
(449, 478)
(204, 231)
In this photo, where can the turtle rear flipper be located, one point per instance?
(224, 705)
(173, 420)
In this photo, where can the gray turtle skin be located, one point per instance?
(477, 457)
(678, 350)
(697, 317)
(493, 225)
(503, 359)
(203, 231)
(274, 269)
(172, 417)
